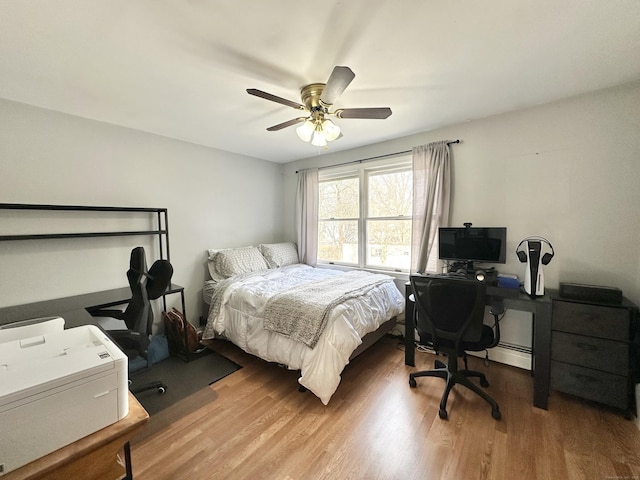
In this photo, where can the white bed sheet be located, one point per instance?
(240, 321)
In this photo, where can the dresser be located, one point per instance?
(591, 350)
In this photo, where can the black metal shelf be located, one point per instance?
(31, 206)
(49, 236)
(161, 231)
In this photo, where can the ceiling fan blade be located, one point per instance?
(280, 126)
(274, 98)
(378, 113)
(339, 80)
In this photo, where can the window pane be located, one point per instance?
(389, 243)
(390, 194)
(338, 241)
(339, 199)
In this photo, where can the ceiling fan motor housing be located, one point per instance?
(311, 95)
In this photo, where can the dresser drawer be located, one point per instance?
(591, 384)
(594, 320)
(601, 354)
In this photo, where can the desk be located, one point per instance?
(94, 456)
(540, 309)
(75, 310)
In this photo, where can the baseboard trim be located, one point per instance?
(507, 356)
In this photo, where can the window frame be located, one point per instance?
(363, 172)
(342, 175)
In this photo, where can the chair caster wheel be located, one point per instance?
(412, 382)
(443, 414)
(495, 413)
(484, 383)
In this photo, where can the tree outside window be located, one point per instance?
(388, 241)
(339, 208)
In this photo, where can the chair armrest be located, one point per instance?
(119, 314)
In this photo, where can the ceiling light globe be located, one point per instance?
(305, 131)
(318, 139)
(331, 130)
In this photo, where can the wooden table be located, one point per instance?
(96, 456)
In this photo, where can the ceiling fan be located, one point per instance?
(317, 100)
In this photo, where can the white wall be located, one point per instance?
(214, 199)
(569, 171)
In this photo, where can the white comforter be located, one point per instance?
(240, 320)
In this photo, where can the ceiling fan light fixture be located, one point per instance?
(306, 130)
(317, 101)
(319, 139)
(331, 130)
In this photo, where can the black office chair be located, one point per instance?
(146, 285)
(449, 314)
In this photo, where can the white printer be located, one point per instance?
(56, 386)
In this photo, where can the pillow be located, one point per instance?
(215, 276)
(280, 254)
(232, 261)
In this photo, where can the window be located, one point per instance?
(338, 224)
(388, 218)
(365, 215)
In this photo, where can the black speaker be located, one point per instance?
(591, 293)
(480, 275)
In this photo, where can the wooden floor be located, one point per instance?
(376, 427)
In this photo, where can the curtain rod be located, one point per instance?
(373, 158)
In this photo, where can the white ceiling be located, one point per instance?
(180, 68)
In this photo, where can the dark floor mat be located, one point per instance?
(181, 378)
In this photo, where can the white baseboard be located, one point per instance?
(507, 356)
(498, 354)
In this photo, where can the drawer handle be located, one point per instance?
(582, 377)
(587, 347)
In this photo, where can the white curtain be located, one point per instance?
(431, 198)
(307, 216)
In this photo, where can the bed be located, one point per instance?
(309, 319)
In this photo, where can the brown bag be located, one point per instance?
(181, 335)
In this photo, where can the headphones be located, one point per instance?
(522, 255)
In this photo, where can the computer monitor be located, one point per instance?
(473, 244)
